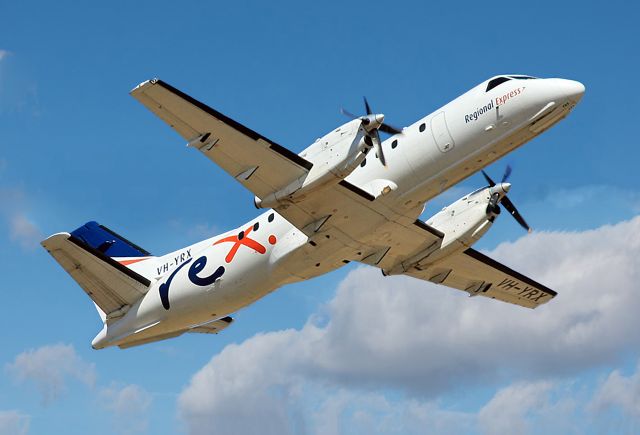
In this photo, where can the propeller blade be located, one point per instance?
(372, 138)
(366, 106)
(489, 180)
(348, 114)
(389, 129)
(506, 202)
(507, 173)
(378, 144)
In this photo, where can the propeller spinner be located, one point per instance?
(373, 123)
(501, 198)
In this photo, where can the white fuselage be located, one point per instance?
(434, 153)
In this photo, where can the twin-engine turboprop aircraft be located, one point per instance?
(347, 197)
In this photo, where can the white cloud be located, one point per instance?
(237, 399)
(50, 367)
(129, 405)
(14, 423)
(3, 54)
(13, 206)
(507, 411)
(353, 412)
(619, 391)
(426, 340)
(564, 199)
(202, 231)
(24, 231)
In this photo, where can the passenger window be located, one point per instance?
(256, 226)
(364, 162)
(394, 144)
(270, 218)
(422, 127)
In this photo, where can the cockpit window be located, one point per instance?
(495, 82)
(523, 77)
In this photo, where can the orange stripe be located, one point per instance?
(128, 262)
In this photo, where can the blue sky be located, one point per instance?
(74, 146)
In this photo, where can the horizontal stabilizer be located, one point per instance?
(111, 285)
(206, 328)
(153, 339)
(212, 327)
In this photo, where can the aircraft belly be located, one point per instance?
(310, 261)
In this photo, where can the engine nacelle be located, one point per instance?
(334, 157)
(337, 153)
(465, 221)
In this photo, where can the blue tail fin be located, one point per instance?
(108, 242)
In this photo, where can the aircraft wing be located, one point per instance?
(260, 164)
(477, 274)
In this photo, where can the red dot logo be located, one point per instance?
(242, 240)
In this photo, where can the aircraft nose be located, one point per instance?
(574, 89)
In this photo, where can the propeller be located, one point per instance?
(373, 124)
(497, 198)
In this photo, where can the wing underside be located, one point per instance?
(260, 164)
(479, 275)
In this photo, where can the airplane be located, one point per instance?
(349, 196)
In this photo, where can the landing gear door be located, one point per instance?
(441, 133)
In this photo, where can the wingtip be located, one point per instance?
(152, 81)
(53, 238)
